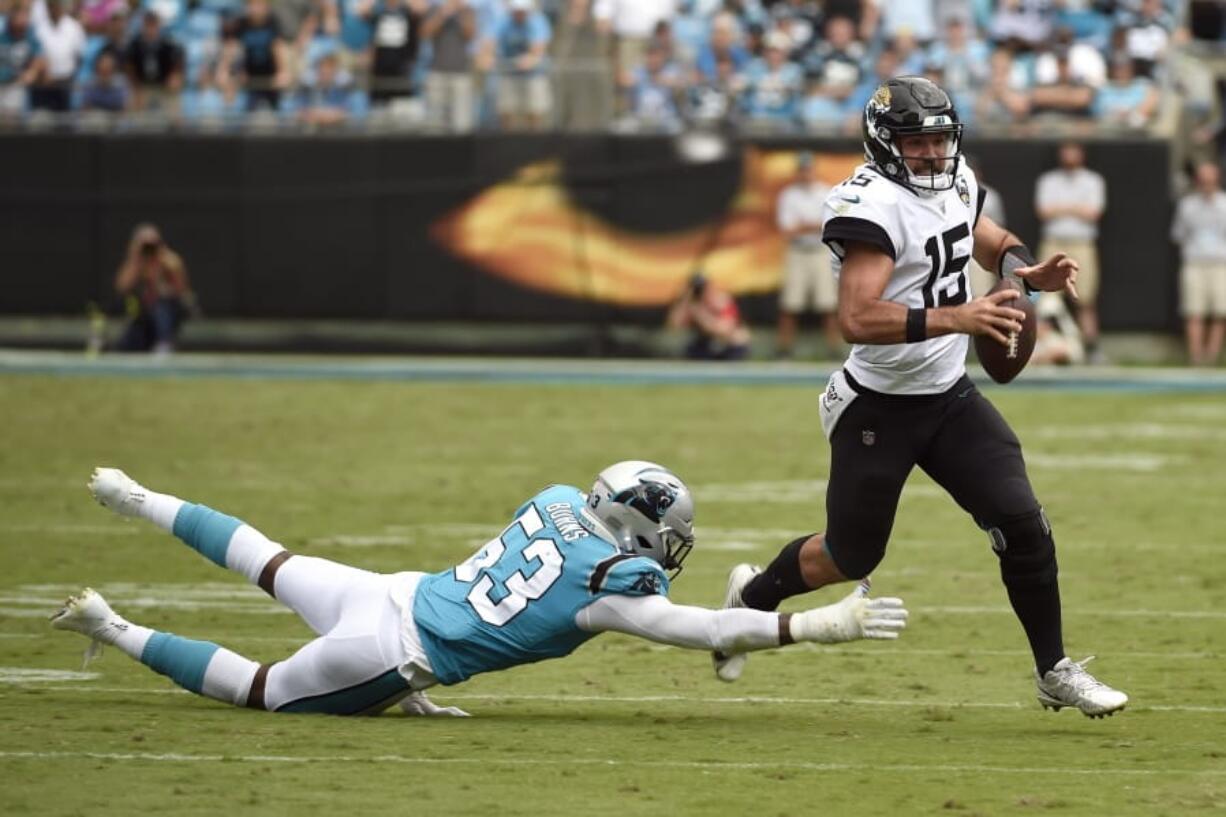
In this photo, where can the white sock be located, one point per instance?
(248, 552)
(129, 638)
(160, 509)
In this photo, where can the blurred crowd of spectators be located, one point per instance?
(457, 65)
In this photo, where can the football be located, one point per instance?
(1003, 363)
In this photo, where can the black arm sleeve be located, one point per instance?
(840, 229)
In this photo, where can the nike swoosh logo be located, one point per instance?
(854, 199)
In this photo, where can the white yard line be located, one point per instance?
(640, 699)
(1127, 432)
(978, 610)
(1143, 463)
(609, 762)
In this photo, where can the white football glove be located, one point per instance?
(418, 704)
(855, 617)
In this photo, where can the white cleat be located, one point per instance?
(1068, 684)
(728, 668)
(117, 491)
(88, 613)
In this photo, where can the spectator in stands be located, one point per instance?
(773, 86)
(327, 98)
(525, 97)
(714, 102)
(450, 26)
(1127, 101)
(20, 62)
(61, 41)
(914, 19)
(153, 283)
(155, 67)
(662, 37)
(1006, 98)
(1086, 63)
(634, 21)
(801, 20)
(1065, 96)
(255, 45)
(691, 30)
(652, 95)
(1199, 228)
(319, 31)
(834, 64)
(396, 40)
(885, 67)
(1021, 25)
(711, 315)
(808, 281)
(911, 56)
(96, 14)
(1069, 201)
(725, 44)
(111, 37)
(106, 90)
(962, 60)
(583, 70)
(1147, 34)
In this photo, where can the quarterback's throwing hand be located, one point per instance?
(1056, 274)
(855, 617)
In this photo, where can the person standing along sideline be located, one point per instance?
(808, 282)
(1199, 229)
(1070, 201)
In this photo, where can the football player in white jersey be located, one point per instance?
(570, 565)
(902, 230)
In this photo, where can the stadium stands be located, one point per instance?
(789, 66)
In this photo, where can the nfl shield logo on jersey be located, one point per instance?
(868, 436)
(964, 192)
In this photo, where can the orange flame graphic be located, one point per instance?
(527, 230)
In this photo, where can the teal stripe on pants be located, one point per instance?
(356, 699)
(206, 531)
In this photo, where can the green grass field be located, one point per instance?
(392, 476)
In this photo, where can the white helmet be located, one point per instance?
(648, 510)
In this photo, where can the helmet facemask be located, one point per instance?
(949, 158)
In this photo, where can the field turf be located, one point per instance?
(394, 476)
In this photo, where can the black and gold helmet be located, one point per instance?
(910, 105)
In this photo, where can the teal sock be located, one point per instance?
(205, 530)
(182, 660)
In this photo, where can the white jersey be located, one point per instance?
(930, 239)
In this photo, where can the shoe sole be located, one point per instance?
(1056, 706)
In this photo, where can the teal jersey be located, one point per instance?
(515, 600)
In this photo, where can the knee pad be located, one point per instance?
(1026, 549)
(857, 560)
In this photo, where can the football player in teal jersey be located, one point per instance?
(569, 565)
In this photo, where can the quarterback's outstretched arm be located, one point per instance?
(742, 630)
(998, 249)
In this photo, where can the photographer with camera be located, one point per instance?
(157, 297)
(718, 333)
